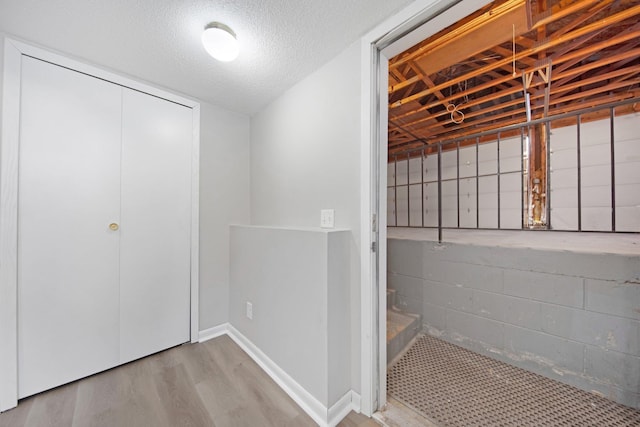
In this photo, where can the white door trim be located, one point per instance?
(9, 149)
(393, 36)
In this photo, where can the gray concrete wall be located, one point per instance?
(573, 317)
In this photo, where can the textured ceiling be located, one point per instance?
(159, 40)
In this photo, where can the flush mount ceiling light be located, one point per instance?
(220, 42)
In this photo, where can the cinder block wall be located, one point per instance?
(573, 317)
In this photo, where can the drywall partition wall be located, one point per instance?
(305, 156)
(224, 200)
(297, 282)
(568, 315)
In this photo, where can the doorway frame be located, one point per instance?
(419, 20)
(14, 49)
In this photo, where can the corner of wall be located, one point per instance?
(224, 200)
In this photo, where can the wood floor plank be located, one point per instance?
(219, 396)
(226, 351)
(140, 411)
(180, 399)
(358, 420)
(126, 396)
(53, 408)
(241, 417)
(17, 416)
(97, 395)
(201, 364)
(209, 384)
(302, 420)
(165, 359)
(274, 404)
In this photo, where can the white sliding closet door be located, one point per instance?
(104, 225)
(156, 216)
(69, 193)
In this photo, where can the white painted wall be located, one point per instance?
(224, 200)
(305, 156)
(297, 280)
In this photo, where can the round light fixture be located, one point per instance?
(220, 42)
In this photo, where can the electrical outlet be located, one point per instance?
(327, 218)
(249, 310)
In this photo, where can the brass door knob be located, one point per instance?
(113, 226)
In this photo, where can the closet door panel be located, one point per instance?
(69, 180)
(155, 228)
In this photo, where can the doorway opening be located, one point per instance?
(511, 123)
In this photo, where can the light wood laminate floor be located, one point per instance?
(213, 383)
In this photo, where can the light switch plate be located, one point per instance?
(327, 218)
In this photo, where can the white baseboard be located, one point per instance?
(323, 416)
(355, 402)
(316, 410)
(342, 408)
(214, 332)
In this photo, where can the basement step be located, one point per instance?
(401, 329)
(391, 298)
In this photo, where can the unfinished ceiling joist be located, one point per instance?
(566, 54)
(563, 77)
(539, 47)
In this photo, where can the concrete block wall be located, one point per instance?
(573, 317)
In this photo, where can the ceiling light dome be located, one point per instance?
(220, 42)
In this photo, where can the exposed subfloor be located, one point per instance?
(455, 387)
